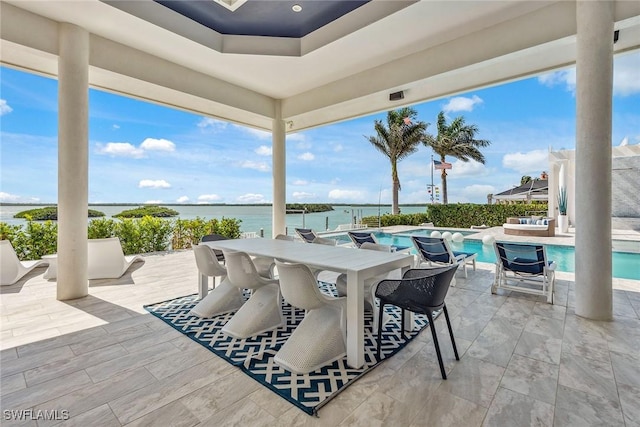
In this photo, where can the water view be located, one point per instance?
(255, 218)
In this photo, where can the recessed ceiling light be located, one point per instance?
(296, 8)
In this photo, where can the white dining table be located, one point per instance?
(358, 265)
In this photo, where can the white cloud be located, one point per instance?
(300, 182)
(463, 169)
(626, 78)
(461, 103)
(208, 198)
(259, 166)
(152, 144)
(534, 161)
(116, 127)
(306, 156)
(208, 123)
(476, 190)
(14, 198)
(183, 199)
(303, 145)
(337, 148)
(563, 77)
(626, 74)
(150, 183)
(346, 195)
(251, 198)
(263, 150)
(120, 149)
(302, 195)
(153, 202)
(4, 107)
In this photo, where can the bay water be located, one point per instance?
(255, 218)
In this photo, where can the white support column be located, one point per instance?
(73, 161)
(594, 88)
(279, 173)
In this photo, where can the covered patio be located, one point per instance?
(108, 362)
(333, 64)
(91, 350)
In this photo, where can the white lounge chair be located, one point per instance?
(320, 338)
(436, 250)
(105, 259)
(263, 311)
(12, 269)
(223, 298)
(524, 268)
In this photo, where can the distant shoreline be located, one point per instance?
(208, 204)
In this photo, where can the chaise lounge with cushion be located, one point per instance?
(530, 226)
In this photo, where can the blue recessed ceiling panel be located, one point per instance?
(271, 18)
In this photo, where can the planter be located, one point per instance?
(563, 223)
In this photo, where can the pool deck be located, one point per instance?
(623, 240)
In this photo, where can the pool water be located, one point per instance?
(626, 265)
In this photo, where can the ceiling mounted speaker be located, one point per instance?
(396, 96)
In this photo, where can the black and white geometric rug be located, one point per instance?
(255, 355)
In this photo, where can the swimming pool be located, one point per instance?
(626, 265)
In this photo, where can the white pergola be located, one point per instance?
(346, 69)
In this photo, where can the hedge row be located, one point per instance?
(460, 215)
(137, 236)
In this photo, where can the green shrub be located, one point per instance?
(460, 215)
(102, 228)
(35, 240)
(142, 211)
(155, 234)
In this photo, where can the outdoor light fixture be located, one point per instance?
(296, 8)
(396, 96)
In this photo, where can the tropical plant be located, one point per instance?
(456, 140)
(525, 179)
(398, 139)
(562, 201)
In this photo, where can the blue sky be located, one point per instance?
(142, 152)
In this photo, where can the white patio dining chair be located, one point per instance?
(11, 268)
(263, 311)
(320, 338)
(105, 259)
(223, 298)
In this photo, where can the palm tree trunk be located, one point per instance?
(395, 189)
(444, 187)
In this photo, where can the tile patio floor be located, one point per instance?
(523, 362)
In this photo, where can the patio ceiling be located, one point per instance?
(344, 69)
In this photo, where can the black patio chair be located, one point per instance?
(212, 238)
(420, 291)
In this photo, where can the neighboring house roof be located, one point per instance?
(533, 190)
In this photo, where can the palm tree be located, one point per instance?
(525, 179)
(456, 140)
(397, 140)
